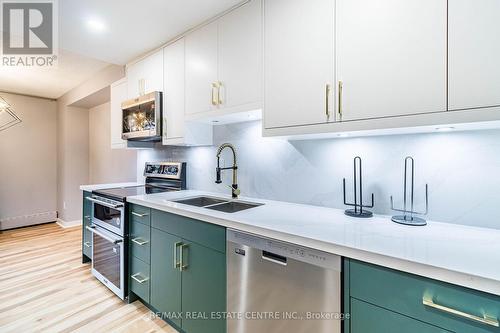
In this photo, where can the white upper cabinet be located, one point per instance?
(146, 75)
(118, 94)
(298, 62)
(474, 53)
(224, 63)
(176, 131)
(391, 57)
(201, 69)
(240, 57)
(173, 99)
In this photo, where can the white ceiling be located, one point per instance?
(131, 28)
(72, 70)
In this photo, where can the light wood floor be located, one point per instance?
(44, 287)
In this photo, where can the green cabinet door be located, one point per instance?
(165, 277)
(368, 318)
(203, 288)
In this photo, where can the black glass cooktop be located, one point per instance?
(121, 193)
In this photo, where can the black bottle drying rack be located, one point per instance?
(408, 211)
(359, 208)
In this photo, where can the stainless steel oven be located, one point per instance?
(142, 118)
(108, 243)
(108, 259)
(109, 214)
(110, 230)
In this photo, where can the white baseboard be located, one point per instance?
(27, 220)
(68, 224)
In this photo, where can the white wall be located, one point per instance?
(73, 142)
(28, 159)
(107, 165)
(73, 160)
(460, 167)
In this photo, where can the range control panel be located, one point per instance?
(170, 170)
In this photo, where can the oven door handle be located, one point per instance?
(104, 203)
(93, 230)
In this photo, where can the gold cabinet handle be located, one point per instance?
(87, 244)
(483, 320)
(139, 241)
(219, 95)
(215, 88)
(327, 101)
(139, 215)
(176, 263)
(341, 91)
(183, 266)
(139, 280)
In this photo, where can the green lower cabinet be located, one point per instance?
(179, 265)
(368, 318)
(203, 289)
(382, 299)
(140, 280)
(165, 276)
(140, 241)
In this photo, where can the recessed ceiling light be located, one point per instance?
(445, 129)
(96, 25)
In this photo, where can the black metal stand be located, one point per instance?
(407, 218)
(358, 210)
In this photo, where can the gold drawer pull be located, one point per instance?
(139, 241)
(215, 93)
(219, 95)
(139, 215)
(183, 265)
(483, 320)
(141, 281)
(176, 263)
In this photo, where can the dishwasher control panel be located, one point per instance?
(288, 250)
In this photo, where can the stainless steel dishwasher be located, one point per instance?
(276, 287)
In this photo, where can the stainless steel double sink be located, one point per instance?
(219, 204)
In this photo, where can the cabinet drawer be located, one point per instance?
(405, 293)
(139, 278)
(139, 214)
(140, 241)
(366, 317)
(209, 235)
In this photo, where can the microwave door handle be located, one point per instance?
(93, 230)
(104, 203)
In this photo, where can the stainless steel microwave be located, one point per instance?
(141, 118)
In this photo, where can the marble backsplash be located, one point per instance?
(461, 168)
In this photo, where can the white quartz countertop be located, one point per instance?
(462, 255)
(96, 187)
